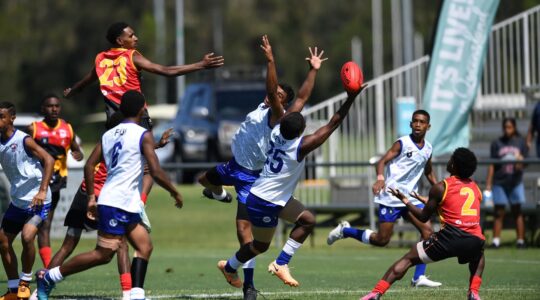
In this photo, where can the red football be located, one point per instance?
(351, 76)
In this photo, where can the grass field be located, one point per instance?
(189, 242)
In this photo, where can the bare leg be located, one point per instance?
(9, 258)
(69, 244)
(87, 260)
(520, 223)
(147, 184)
(382, 237)
(400, 267)
(499, 218)
(122, 256)
(28, 256)
(216, 189)
(303, 227)
(44, 230)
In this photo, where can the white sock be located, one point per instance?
(234, 262)
(13, 283)
(250, 264)
(137, 293)
(25, 276)
(291, 246)
(126, 294)
(496, 241)
(365, 236)
(55, 274)
(520, 241)
(220, 197)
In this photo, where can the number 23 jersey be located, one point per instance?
(122, 152)
(281, 171)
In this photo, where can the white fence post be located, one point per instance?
(526, 58)
(379, 117)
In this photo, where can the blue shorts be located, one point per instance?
(261, 212)
(513, 195)
(15, 218)
(113, 220)
(231, 173)
(392, 214)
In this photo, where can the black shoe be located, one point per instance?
(493, 246)
(521, 246)
(250, 293)
(208, 194)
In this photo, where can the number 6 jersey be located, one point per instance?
(281, 171)
(122, 152)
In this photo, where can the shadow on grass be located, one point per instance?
(94, 297)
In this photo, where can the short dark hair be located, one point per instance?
(114, 120)
(289, 91)
(132, 102)
(9, 106)
(115, 30)
(464, 162)
(422, 112)
(47, 96)
(292, 125)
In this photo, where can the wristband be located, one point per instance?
(380, 177)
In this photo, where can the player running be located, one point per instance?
(56, 136)
(271, 196)
(249, 146)
(124, 150)
(406, 161)
(29, 168)
(457, 201)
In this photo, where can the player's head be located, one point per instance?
(114, 120)
(50, 106)
(462, 163)
(292, 125)
(420, 123)
(285, 94)
(509, 127)
(120, 34)
(8, 113)
(132, 105)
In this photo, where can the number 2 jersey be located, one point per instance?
(460, 205)
(281, 171)
(117, 74)
(122, 153)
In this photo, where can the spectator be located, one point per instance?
(506, 180)
(534, 128)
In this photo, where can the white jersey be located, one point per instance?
(250, 142)
(122, 152)
(22, 169)
(404, 171)
(281, 171)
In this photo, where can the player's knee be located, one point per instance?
(260, 247)
(202, 179)
(499, 212)
(105, 255)
(380, 240)
(27, 239)
(307, 220)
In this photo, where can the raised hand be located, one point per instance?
(398, 194)
(267, 48)
(422, 199)
(67, 93)
(164, 140)
(316, 59)
(210, 61)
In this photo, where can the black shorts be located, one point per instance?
(451, 242)
(76, 216)
(55, 198)
(241, 212)
(111, 108)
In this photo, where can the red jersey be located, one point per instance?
(117, 73)
(460, 206)
(100, 175)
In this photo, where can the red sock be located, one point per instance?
(144, 197)
(45, 254)
(381, 287)
(125, 281)
(476, 281)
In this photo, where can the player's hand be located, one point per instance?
(211, 61)
(77, 155)
(267, 48)
(179, 202)
(164, 140)
(417, 196)
(378, 186)
(39, 199)
(354, 94)
(67, 93)
(91, 212)
(398, 194)
(316, 59)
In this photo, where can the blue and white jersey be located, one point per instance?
(122, 152)
(22, 169)
(250, 143)
(404, 171)
(281, 171)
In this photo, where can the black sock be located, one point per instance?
(138, 272)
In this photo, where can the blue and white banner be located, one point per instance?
(455, 70)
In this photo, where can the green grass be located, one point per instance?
(189, 242)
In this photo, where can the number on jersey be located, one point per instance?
(115, 153)
(274, 158)
(466, 209)
(120, 75)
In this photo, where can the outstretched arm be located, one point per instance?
(209, 61)
(276, 108)
(315, 62)
(423, 215)
(313, 141)
(47, 162)
(86, 80)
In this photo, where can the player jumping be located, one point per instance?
(22, 159)
(249, 146)
(457, 200)
(57, 137)
(406, 161)
(271, 196)
(124, 149)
